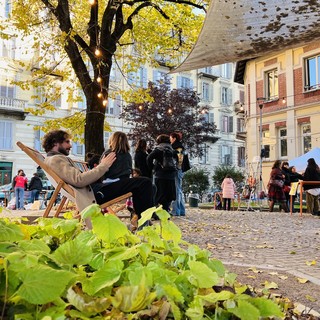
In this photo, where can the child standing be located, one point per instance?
(228, 190)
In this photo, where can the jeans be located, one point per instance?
(19, 194)
(34, 195)
(178, 206)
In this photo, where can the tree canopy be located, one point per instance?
(81, 41)
(168, 111)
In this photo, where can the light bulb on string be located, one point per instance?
(105, 102)
(91, 2)
(284, 100)
(99, 79)
(140, 107)
(100, 95)
(170, 111)
(97, 52)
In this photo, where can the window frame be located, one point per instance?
(6, 135)
(310, 84)
(271, 84)
(305, 135)
(283, 139)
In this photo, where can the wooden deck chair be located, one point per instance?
(61, 186)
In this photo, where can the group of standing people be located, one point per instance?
(20, 184)
(279, 186)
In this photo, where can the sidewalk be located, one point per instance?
(262, 239)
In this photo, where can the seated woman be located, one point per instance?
(122, 167)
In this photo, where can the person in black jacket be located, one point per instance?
(35, 187)
(164, 179)
(178, 206)
(312, 173)
(287, 181)
(294, 177)
(140, 158)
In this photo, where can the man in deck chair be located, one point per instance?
(88, 189)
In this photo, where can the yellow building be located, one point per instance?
(282, 105)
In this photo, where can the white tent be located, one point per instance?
(301, 162)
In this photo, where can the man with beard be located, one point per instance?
(87, 186)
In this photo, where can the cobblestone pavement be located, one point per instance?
(261, 239)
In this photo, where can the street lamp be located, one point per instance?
(260, 193)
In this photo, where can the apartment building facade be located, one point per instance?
(223, 98)
(282, 105)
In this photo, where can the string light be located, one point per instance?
(105, 102)
(100, 95)
(99, 79)
(140, 107)
(91, 2)
(170, 111)
(97, 52)
(284, 100)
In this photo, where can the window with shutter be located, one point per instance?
(6, 135)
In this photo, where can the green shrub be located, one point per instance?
(220, 173)
(195, 181)
(57, 270)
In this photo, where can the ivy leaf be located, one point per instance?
(202, 275)
(170, 231)
(34, 245)
(73, 252)
(109, 228)
(105, 277)
(10, 232)
(245, 311)
(42, 284)
(267, 308)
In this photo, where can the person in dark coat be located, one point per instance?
(35, 187)
(164, 180)
(294, 177)
(312, 173)
(275, 192)
(287, 181)
(178, 206)
(140, 158)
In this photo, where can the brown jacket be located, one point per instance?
(80, 181)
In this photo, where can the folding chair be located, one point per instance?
(61, 186)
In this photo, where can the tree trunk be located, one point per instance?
(94, 126)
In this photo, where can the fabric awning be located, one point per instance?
(243, 29)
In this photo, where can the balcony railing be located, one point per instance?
(12, 104)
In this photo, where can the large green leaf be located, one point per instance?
(42, 284)
(245, 311)
(20, 261)
(214, 297)
(7, 247)
(109, 228)
(170, 231)
(105, 277)
(201, 275)
(34, 245)
(267, 308)
(73, 252)
(10, 232)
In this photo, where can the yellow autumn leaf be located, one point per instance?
(270, 285)
(255, 270)
(302, 280)
(292, 252)
(312, 299)
(311, 263)
(273, 273)
(283, 277)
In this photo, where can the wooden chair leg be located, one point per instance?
(60, 207)
(52, 200)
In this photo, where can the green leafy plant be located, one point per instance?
(220, 173)
(196, 181)
(58, 270)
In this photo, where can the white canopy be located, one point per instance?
(301, 162)
(244, 29)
